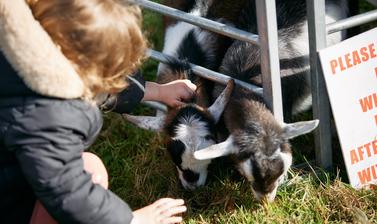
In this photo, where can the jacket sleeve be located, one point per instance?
(48, 142)
(126, 101)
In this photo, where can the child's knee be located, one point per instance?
(40, 215)
(94, 165)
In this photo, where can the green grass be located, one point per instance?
(141, 171)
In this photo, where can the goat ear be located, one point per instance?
(147, 122)
(217, 108)
(299, 128)
(214, 151)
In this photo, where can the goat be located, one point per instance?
(191, 43)
(293, 50)
(258, 142)
(191, 127)
(209, 48)
(224, 9)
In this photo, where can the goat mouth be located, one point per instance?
(265, 197)
(189, 187)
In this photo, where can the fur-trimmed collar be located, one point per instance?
(32, 53)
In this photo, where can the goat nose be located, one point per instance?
(270, 197)
(190, 186)
(262, 196)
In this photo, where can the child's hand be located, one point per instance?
(163, 211)
(175, 93)
(172, 94)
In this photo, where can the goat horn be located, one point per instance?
(147, 122)
(299, 128)
(217, 108)
(214, 151)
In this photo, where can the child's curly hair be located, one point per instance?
(102, 38)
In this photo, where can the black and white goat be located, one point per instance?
(190, 127)
(256, 140)
(293, 50)
(190, 43)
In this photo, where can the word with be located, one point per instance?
(369, 102)
(368, 175)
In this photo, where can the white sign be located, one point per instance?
(350, 70)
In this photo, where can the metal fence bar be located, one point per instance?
(321, 106)
(270, 66)
(199, 21)
(206, 73)
(156, 105)
(351, 22)
(270, 61)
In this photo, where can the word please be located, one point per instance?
(353, 58)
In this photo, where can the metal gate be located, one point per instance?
(268, 42)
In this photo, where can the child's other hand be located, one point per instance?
(175, 93)
(163, 211)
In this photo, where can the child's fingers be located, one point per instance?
(174, 211)
(191, 85)
(186, 93)
(168, 205)
(162, 201)
(177, 103)
(172, 220)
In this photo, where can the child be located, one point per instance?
(47, 116)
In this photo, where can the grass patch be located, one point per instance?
(141, 172)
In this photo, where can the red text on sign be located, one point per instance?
(368, 103)
(364, 151)
(368, 175)
(353, 58)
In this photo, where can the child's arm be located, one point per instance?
(172, 94)
(48, 143)
(126, 101)
(32, 53)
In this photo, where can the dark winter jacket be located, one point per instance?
(45, 127)
(41, 141)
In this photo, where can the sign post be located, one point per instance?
(350, 71)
